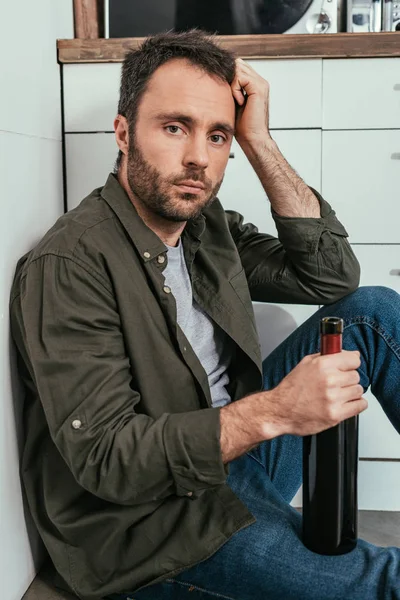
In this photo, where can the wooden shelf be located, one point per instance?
(332, 45)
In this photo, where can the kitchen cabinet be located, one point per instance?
(90, 157)
(337, 122)
(361, 93)
(380, 265)
(295, 92)
(90, 96)
(360, 177)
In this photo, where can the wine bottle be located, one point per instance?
(330, 462)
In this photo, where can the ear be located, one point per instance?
(121, 129)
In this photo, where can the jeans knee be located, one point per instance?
(374, 299)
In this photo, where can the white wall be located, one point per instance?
(31, 199)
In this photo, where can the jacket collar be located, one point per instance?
(146, 241)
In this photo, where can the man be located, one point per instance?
(160, 456)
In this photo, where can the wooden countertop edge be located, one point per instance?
(333, 45)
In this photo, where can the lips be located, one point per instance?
(192, 184)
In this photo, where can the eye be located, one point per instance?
(174, 129)
(218, 139)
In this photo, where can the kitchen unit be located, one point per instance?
(337, 122)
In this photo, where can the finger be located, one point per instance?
(249, 77)
(237, 92)
(346, 378)
(345, 360)
(351, 409)
(351, 393)
(248, 81)
(242, 64)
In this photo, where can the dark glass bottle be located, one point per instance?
(330, 461)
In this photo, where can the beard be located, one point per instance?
(158, 194)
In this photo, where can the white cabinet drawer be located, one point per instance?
(90, 158)
(295, 91)
(242, 190)
(378, 485)
(377, 436)
(360, 178)
(361, 93)
(380, 265)
(91, 94)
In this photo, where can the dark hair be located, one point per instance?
(198, 47)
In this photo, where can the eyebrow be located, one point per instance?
(190, 121)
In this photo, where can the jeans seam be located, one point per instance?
(256, 459)
(199, 589)
(389, 340)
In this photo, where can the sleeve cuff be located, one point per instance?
(305, 231)
(193, 450)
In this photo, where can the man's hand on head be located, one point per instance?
(251, 92)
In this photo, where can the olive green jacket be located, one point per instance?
(122, 461)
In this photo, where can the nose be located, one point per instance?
(196, 152)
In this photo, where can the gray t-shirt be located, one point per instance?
(210, 343)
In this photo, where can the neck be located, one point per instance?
(169, 232)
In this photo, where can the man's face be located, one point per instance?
(182, 136)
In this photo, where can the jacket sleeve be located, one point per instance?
(67, 328)
(311, 261)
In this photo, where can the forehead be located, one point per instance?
(182, 87)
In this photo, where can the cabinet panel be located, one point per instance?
(295, 91)
(360, 178)
(242, 190)
(377, 436)
(91, 94)
(90, 157)
(361, 93)
(380, 265)
(378, 485)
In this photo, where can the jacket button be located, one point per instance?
(146, 254)
(161, 259)
(76, 424)
(189, 494)
(167, 289)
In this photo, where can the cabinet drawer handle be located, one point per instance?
(394, 272)
(396, 87)
(395, 156)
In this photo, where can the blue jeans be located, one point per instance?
(267, 560)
